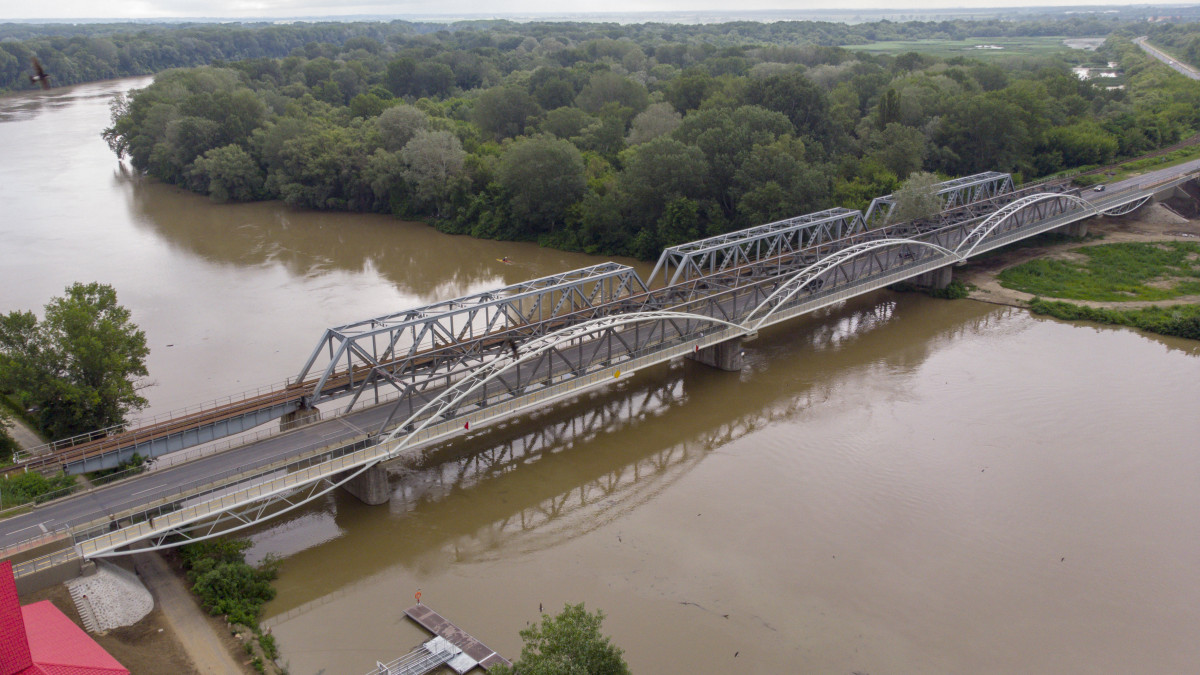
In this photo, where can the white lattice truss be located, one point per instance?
(981, 231)
(286, 496)
(805, 277)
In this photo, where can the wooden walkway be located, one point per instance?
(435, 623)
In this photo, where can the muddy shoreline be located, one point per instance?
(1151, 224)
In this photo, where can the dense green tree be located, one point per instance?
(398, 124)
(889, 108)
(568, 644)
(794, 95)
(80, 366)
(543, 176)
(826, 126)
(1082, 144)
(566, 122)
(433, 164)
(901, 149)
(982, 133)
(917, 198)
(658, 172)
(227, 174)
(503, 112)
(607, 87)
(659, 119)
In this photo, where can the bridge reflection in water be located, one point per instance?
(449, 366)
(555, 475)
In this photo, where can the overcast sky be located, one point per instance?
(125, 9)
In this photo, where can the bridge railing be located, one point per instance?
(142, 423)
(827, 296)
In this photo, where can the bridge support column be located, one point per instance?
(298, 418)
(939, 278)
(1078, 228)
(723, 355)
(371, 486)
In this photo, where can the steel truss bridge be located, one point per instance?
(432, 372)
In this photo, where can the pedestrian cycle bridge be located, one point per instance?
(437, 371)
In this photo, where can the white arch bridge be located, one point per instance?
(470, 362)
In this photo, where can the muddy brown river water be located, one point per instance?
(896, 485)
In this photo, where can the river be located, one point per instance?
(898, 484)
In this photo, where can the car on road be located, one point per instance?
(1098, 188)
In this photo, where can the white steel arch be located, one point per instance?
(527, 352)
(258, 515)
(805, 276)
(446, 400)
(983, 229)
(1127, 208)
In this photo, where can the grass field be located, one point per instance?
(1113, 273)
(1009, 47)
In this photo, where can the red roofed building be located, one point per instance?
(38, 639)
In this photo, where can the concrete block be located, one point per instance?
(939, 278)
(299, 418)
(371, 486)
(723, 355)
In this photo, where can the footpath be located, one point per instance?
(22, 434)
(190, 624)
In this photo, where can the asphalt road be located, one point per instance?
(150, 487)
(1157, 53)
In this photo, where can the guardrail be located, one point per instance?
(168, 508)
(138, 422)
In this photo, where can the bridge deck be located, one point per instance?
(439, 625)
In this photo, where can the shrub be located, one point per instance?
(225, 583)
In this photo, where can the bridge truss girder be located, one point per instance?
(953, 193)
(433, 338)
(718, 254)
(1017, 214)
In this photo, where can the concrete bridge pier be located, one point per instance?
(723, 355)
(939, 278)
(299, 417)
(371, 486)
(1078, 228)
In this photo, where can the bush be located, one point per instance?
(8, 445)
(225, 583)
(1179, 321)
(268, 646)
(568, 643)
(24, 488)
(955, 290)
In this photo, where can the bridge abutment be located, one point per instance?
(299, 417)
(939, 278)
(723, 355)
(371, 486)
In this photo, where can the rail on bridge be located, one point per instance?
(952, 193)
(418, 353)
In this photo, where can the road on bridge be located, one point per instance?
(147, 487)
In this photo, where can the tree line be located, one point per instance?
(75, 53)
(625, 145)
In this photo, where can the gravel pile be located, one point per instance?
(115, 596)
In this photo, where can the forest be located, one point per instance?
(624, 139)
(76, 53)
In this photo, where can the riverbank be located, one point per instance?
(176, 636)
(1154, 223)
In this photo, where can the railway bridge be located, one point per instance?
(393, 384)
